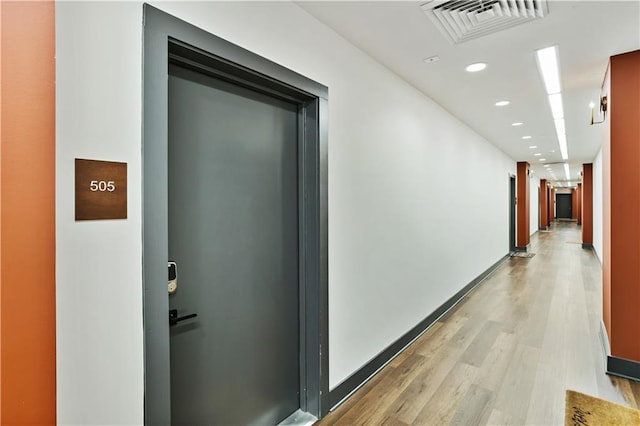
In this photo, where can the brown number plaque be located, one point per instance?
(101, 190)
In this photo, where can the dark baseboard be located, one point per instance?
(522, 248)
(617, 366)
(543, 228)
(587, 246)
(360, 377)
(623, 368)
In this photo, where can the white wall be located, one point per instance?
(597, 205)
(98, 264)
(418, 202)
(534, 204)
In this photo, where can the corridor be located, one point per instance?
(507, 353)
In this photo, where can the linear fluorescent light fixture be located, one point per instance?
(562, 141)
(548, 64)
(555, 101)
(566, 171)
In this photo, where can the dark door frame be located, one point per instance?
(168, 39)
(512, 213)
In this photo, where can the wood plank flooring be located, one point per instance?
(507, 353)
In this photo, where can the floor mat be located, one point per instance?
(522, 254)
(585, 410)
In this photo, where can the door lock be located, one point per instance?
(173, 277)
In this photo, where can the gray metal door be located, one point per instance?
(233, 233)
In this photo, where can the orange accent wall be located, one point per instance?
(27, 214)
(544, 204)
(574, 204)
(587, 203)
(579, 195)
(624, 259)
(522, 211)
(1, 84)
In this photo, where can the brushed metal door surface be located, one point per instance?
(233, 232)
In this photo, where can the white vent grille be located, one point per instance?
(463, 20)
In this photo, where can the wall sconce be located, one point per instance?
(603, 110)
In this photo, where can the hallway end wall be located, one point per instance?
(394, 252)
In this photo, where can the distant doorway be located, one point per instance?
(563, 206)
(512, 213)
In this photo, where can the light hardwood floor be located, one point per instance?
(507, 353)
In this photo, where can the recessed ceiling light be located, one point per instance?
(591, 105)
(526, 137)
(432, 59)
(542, 159)
(502, 103)
(478, 66)
(537, 154)
(553, 150)
(533, 146)
(517, 124)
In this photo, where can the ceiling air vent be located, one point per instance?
(463, 20)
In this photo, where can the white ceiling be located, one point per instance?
(399, 35)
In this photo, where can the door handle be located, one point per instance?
(174, 319)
